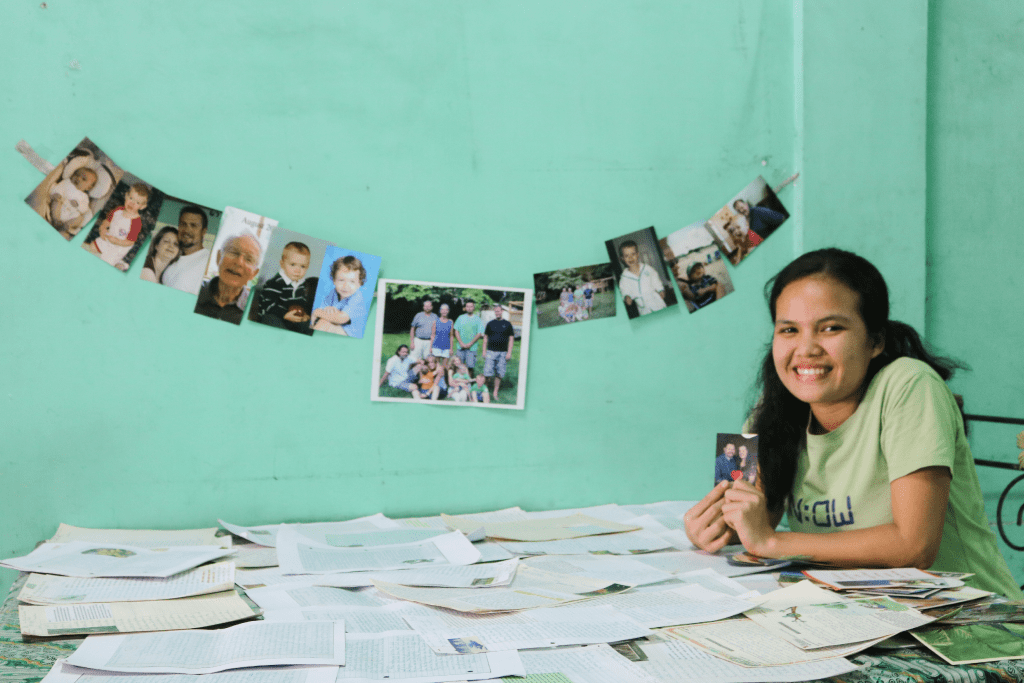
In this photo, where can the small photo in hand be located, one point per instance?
(747, 220)
(693, 257)
(287, 283)
(345, 291)
(736, 458)
(572, 295)
(74, 191)
(644, 284)
(125, 222)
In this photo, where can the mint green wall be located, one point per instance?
(975, 253)
(465, 142)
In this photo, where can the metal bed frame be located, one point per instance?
(1005, 466)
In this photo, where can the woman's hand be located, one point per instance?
(745, 510)
(705, 526)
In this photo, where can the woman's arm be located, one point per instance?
(911, 540)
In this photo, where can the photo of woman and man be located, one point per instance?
(451, 344)
(747, 220)
(736, 458)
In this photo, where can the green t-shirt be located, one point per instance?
(468, 326)
(908, 419)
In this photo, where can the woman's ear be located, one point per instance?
(879, 345)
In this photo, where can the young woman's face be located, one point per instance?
(167, 248)
(821, 346)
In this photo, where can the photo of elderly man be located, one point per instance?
(237, 256)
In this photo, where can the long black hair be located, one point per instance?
(779, 418)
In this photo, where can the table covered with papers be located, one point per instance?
(611, 594)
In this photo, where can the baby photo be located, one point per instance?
(239, 249)
(182, 242)
(345, 291)
(446, 344)
(747, 220)
(696, 261)
(124, 222)
(287, 283)
(74, 191)
(736, 458)
(644, 284)
(573, 295)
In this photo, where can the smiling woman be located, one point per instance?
(858, 433)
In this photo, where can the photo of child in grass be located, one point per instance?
(451, 344)
(572, 295)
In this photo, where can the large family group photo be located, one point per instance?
(451, 344)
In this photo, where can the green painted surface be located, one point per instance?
(975, 276)
(463, 142)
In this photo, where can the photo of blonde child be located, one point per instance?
(343, 295)
(125, 223)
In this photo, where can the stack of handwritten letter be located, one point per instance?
(609, 594)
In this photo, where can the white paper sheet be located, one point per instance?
(357, 619)
(629, 543)
(688, 604)
(609, 512)
(301, 597)
(545, 627)
(141, 538)
(530, 588)
(691, 560)
(48, 589)
(586, 664)
(838, 623)
(132, 617)
(266, 534)
(271, 577)
(65, 673)
(251, 644)
(619, 569)
(403, 655)
(680, 662)
(298, 555)
(250, 555)
(492, 552)
(743, 642)
(847, 579)
(544, 529)
(108, 560)
(444, 576)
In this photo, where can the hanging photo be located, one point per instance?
(572, 295)
(238, 252)
(124, 222)
(644, 284)
(286, 285)
(74, 191)
(696, 261)
(181, 246)
(344, 293)
(747, 220)
(447, 344)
